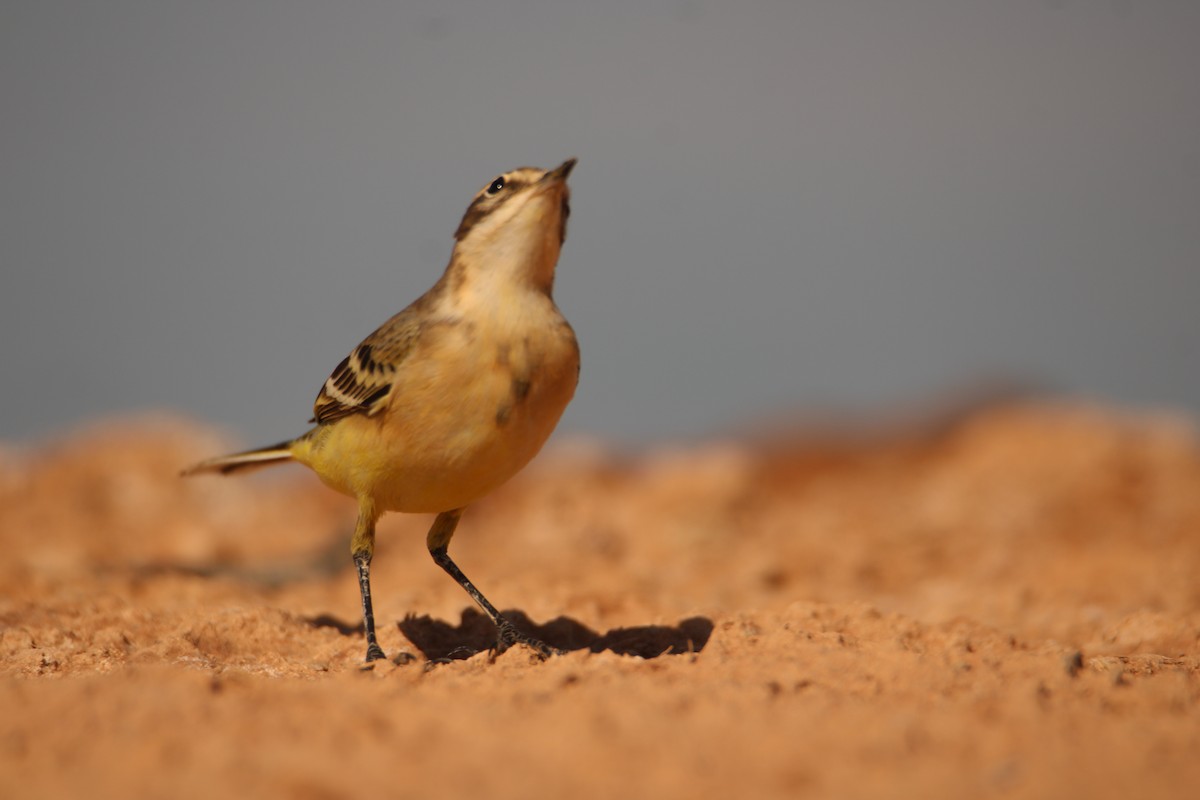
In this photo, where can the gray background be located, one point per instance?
(850, 206)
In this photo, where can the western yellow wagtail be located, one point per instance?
(452, 396)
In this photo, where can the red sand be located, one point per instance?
(1004, 606)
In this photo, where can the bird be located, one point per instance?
(456, 393)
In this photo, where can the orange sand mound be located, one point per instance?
(1005, 606)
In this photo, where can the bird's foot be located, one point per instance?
(375, 653)
(507, 635)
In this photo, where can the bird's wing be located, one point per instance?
(362, 383)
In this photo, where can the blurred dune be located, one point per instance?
(1002, 601)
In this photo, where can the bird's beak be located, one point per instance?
(560, 172)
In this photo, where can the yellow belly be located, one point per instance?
(466, 414)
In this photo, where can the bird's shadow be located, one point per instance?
(439, 641)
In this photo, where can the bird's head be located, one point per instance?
(514, 228)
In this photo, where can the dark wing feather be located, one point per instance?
(362, 383)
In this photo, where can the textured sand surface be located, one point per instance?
(1005, 605)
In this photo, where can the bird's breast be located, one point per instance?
(472, 405)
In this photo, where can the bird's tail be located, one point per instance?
(248, 460)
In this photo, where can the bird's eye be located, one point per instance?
(496, 186)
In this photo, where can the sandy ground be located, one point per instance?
(1006, 604)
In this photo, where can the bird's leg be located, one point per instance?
(437, 541)
(362, 547)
